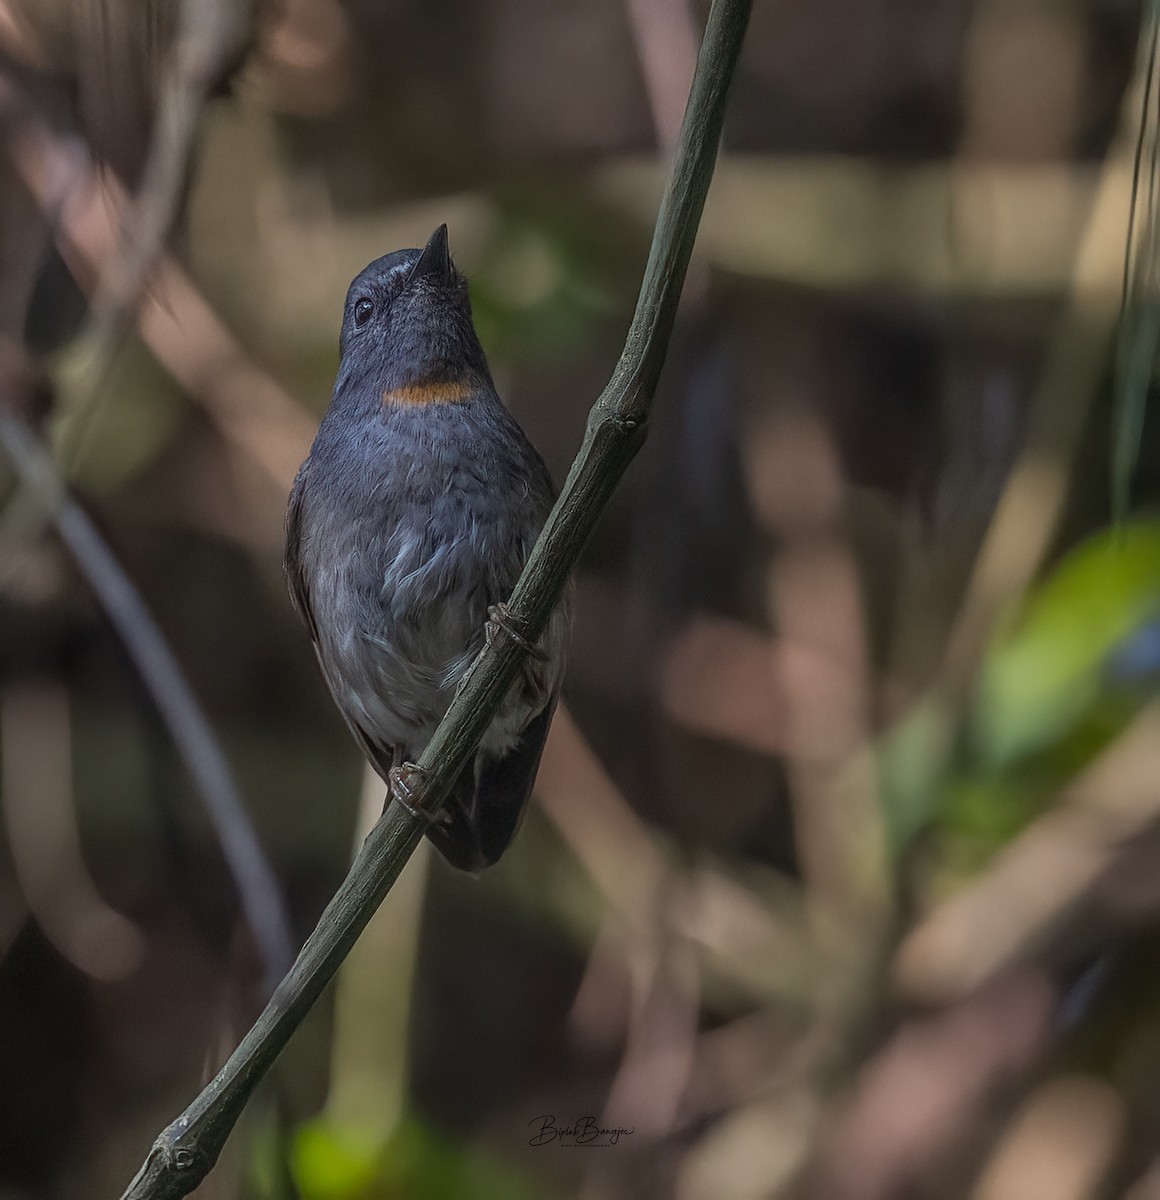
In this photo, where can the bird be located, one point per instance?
(407, 527)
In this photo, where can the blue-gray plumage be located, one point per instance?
(409, 521)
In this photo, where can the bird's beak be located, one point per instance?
(435, 260)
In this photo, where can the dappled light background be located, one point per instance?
(842, 876)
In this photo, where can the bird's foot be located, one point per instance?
(499, 616)
(402, 780)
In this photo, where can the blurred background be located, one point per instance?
(842, 879)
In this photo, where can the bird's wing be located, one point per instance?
(381, 757)
(292, 562)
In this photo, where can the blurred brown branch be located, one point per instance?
(210, 38)
(43, 839)
(666, 44)
(253, 412)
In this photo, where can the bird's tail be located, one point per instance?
(485, 808)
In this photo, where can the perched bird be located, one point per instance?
(407, 528)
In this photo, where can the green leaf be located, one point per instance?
(1048, 668)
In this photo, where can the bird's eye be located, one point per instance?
(362, 311)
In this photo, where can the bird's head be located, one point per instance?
(407, 328)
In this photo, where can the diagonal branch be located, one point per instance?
(185, 1151)
(211, 37)
(258, 889)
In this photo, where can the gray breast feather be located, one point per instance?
(398, 571)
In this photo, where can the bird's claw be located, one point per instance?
(402, 780)
(499, 616)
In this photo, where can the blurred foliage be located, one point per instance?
(138, 417)
(415, 1162)
(412, 1163)
(538, 283)
(1062, 678)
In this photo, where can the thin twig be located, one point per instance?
(258, 889)
(188, 1148)
(210, 35)
(252, 411)
(1028, 513)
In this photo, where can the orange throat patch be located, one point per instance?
(445, 391)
